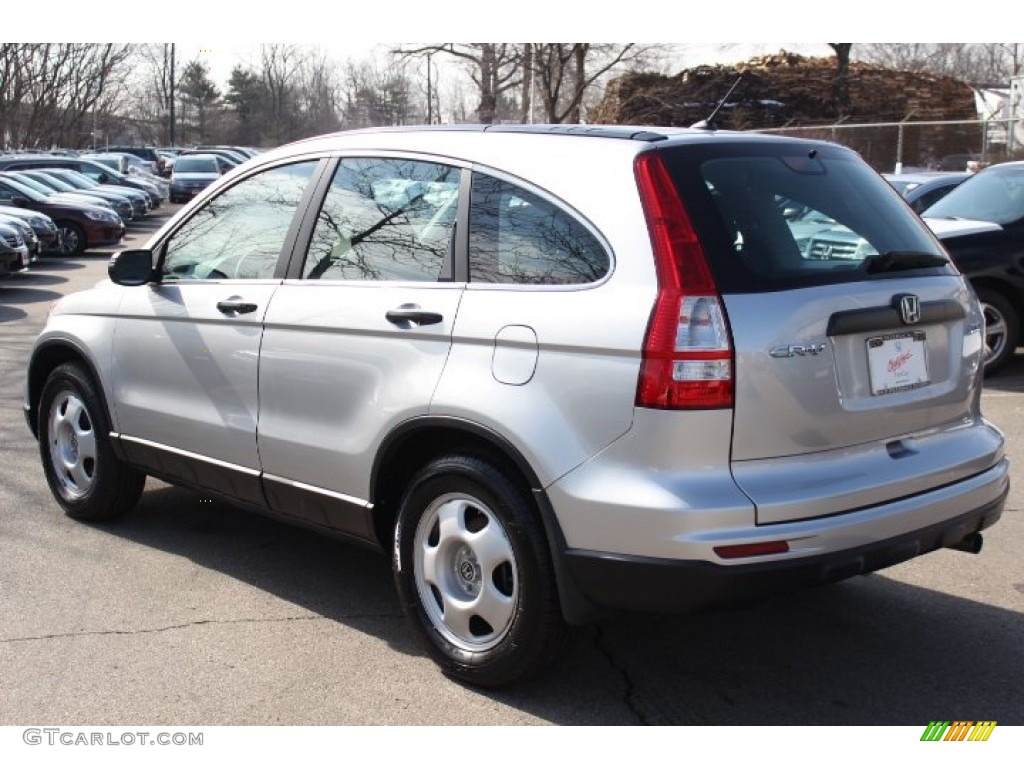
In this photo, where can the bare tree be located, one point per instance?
(280, 67)
(976, 63)
(151, 92)
(318, 92)
(841, 87)
(377, 94)
(58, 93)
(494, 69)
(564, 73)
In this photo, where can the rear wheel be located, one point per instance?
(72, 238)
(1002, 328)
(84, 475)
(474, 573)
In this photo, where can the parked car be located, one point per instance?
(53, 194)
(28, 235)
(542, 396)
(234, 158)
(42, 225)
(243, 152)
(925, 189)
(152, 158)
(138, 199)
(14, 253)
(192, 174)
(981, 224)
(80, 225)
(115, 160)
(168, 164)
(133, 168)
(91, 168)
(117, 202)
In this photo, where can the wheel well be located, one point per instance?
(407, 453)
(409, 449)
(43, 363)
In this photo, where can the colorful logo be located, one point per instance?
(959, 730)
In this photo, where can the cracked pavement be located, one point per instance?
(191, 612)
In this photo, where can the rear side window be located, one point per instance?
(385, 219)
(516, 236)
(776, 215)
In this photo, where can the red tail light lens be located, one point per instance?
(687, 355)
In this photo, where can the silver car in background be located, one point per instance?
(550, 371)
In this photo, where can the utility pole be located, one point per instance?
(172, 95)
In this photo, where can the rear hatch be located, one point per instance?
(857, 344)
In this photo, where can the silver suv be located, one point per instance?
(551, 370)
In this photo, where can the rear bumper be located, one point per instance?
(628, 582)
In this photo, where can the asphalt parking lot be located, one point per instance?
(192, 612)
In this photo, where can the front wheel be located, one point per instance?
(83, 473)
(474, 573)
(72, 238)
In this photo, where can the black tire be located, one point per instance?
(84, 475)
(493, 542)
(1002, 328)
(73, 240)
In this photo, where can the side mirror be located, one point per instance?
(131, 267)
(19, 201)
(103, 178)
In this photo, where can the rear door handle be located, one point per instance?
(408, 315)
(235, 306)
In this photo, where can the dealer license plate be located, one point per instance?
(897, 361)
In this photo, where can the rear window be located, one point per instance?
(196, 165)
(775, 216)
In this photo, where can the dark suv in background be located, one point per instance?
(981, 224)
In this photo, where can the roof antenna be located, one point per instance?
(709, 124)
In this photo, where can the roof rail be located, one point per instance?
(598, 131)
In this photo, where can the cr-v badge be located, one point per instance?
(795, 350)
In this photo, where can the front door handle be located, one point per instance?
(408, 315)
(235, 306)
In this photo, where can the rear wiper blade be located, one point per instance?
(896, 261)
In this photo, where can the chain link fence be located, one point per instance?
(947, 145)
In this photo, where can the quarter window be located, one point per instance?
(239, 234)
(385, 219)
(516, 236)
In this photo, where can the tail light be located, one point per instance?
(687, 357)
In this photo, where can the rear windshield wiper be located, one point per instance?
(896, 261)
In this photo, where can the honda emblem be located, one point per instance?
(910, 309)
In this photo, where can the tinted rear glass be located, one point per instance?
(774, 216)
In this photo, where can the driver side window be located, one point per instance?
(239, 234)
